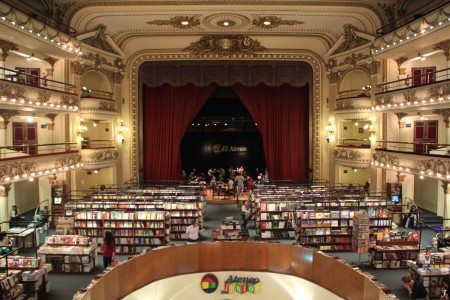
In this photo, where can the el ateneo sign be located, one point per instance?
(218, 149)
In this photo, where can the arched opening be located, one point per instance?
(277, 96)
(223, 135)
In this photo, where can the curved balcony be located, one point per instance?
(353, 105)
(22, 90)
(235, 258)
(353, 153)
(28, 161)
(423, 159)
(427, 90)
(97, 105)
(98, 154)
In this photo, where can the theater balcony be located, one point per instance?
(43, 34)
(427, 25)
(423, 159)
(353, 153)
(353, 105)
(97, 105)
(425, 91)
(98, 154)
(29, 161)
(21, 91)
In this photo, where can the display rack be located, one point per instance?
(361, 226)
(230, 230)
(393, 254)
(69, 253)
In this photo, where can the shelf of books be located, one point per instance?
(24, 277)
(361, 225)
(275, 221)
(133, 231)
(68, 253)
(394, 249)
(182, 214)
(431, 268)
(230, 230)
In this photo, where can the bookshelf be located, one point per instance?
(182, 214)
(393, 254)
(275, 220)
(68, 253)
(361, 224)
(23, 277)
(230, 230)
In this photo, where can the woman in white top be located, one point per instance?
(192, 234)
(245, 212)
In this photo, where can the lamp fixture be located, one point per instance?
(81, 129)
(330, 131)
(121, 131)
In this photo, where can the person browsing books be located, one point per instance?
(192, 234)
(5, 246)
(444, 289)
(415, 288)
(108, 249)
(245, 212)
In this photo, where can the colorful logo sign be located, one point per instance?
(209, 283)
(242, 285)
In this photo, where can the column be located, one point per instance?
(6, 115)
(445, 113)
(4, 205)
(5, 47)
(446, 214)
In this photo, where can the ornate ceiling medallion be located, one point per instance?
(225, 21)
(272, 22)
(225, 46)
(182, 22)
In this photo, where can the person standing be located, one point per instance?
(108, 249)
(366, 188)
(192, 234)
(245, 212)
(415, 288)
(240, 183)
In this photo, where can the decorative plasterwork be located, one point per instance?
(344, 105)
(434, 165)
(78, 67)
(101, 155)
(273, 22)
(383, 100)
(99, 158)
(315, 96)
(235, 21)
(352, 157)
(97, 60)
(69, 101)
(12, 91)
(400, 116)
(7, 114)
(6, 46)
(445, 113)
(225, 46)
(389, 10)
(353, 59)
(445, 47)
(182, 22)
(99, 40)
(44, 96)
(399, 62)
(351, 39)
(107, 105)
(385, 158)
(68, 161)
(410, 96)
(439, 91)
(12, 169)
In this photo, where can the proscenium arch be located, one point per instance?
(135, 97)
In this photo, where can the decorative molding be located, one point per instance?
(52, 61)
(438, 91)
(107, 105)
(4, 190)
(445, 47)
(272, 22)
(434, 165)
(410, 96)
(78, 67)
(99, 40)
(445, 113)
(52, 117)
(293, 58)
(389, 10)
(350, 39)
(12, 169)
(347, 154)
(399, 62)
(97, 60)
(384, 100)
(69, 101)
(353, 59)
(385, 158)
(333, 77)
(6, 46)
(344, 105)
(103, 155)
(68, 161)
(7, 114)
(12, 91)
(44, 96)
(225, 46)
(177, 22)
(117, 77)
(400, 116)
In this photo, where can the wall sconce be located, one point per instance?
(330, 131)
(121, 131)
(81, 129)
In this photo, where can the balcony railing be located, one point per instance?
(353, 94)
(86, 93)
(354, 143)
(414, 81)
(97, 144)
(412, 16)
(35, 81)
(413, 147)
(27, 150)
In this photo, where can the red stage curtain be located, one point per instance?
(282, 115)
(167, 112)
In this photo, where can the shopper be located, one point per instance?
(245, 212)
(415, 288)
(192, 233)
(108, 249)
(444, 289)
(5, 246)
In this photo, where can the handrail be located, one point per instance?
(412, 147)
(412, 16)
(44, 18)
(361, 143)
(87, 93)
(353, 94)
(408, 82)
(28, 150)
(22, 78)
(97, 144)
